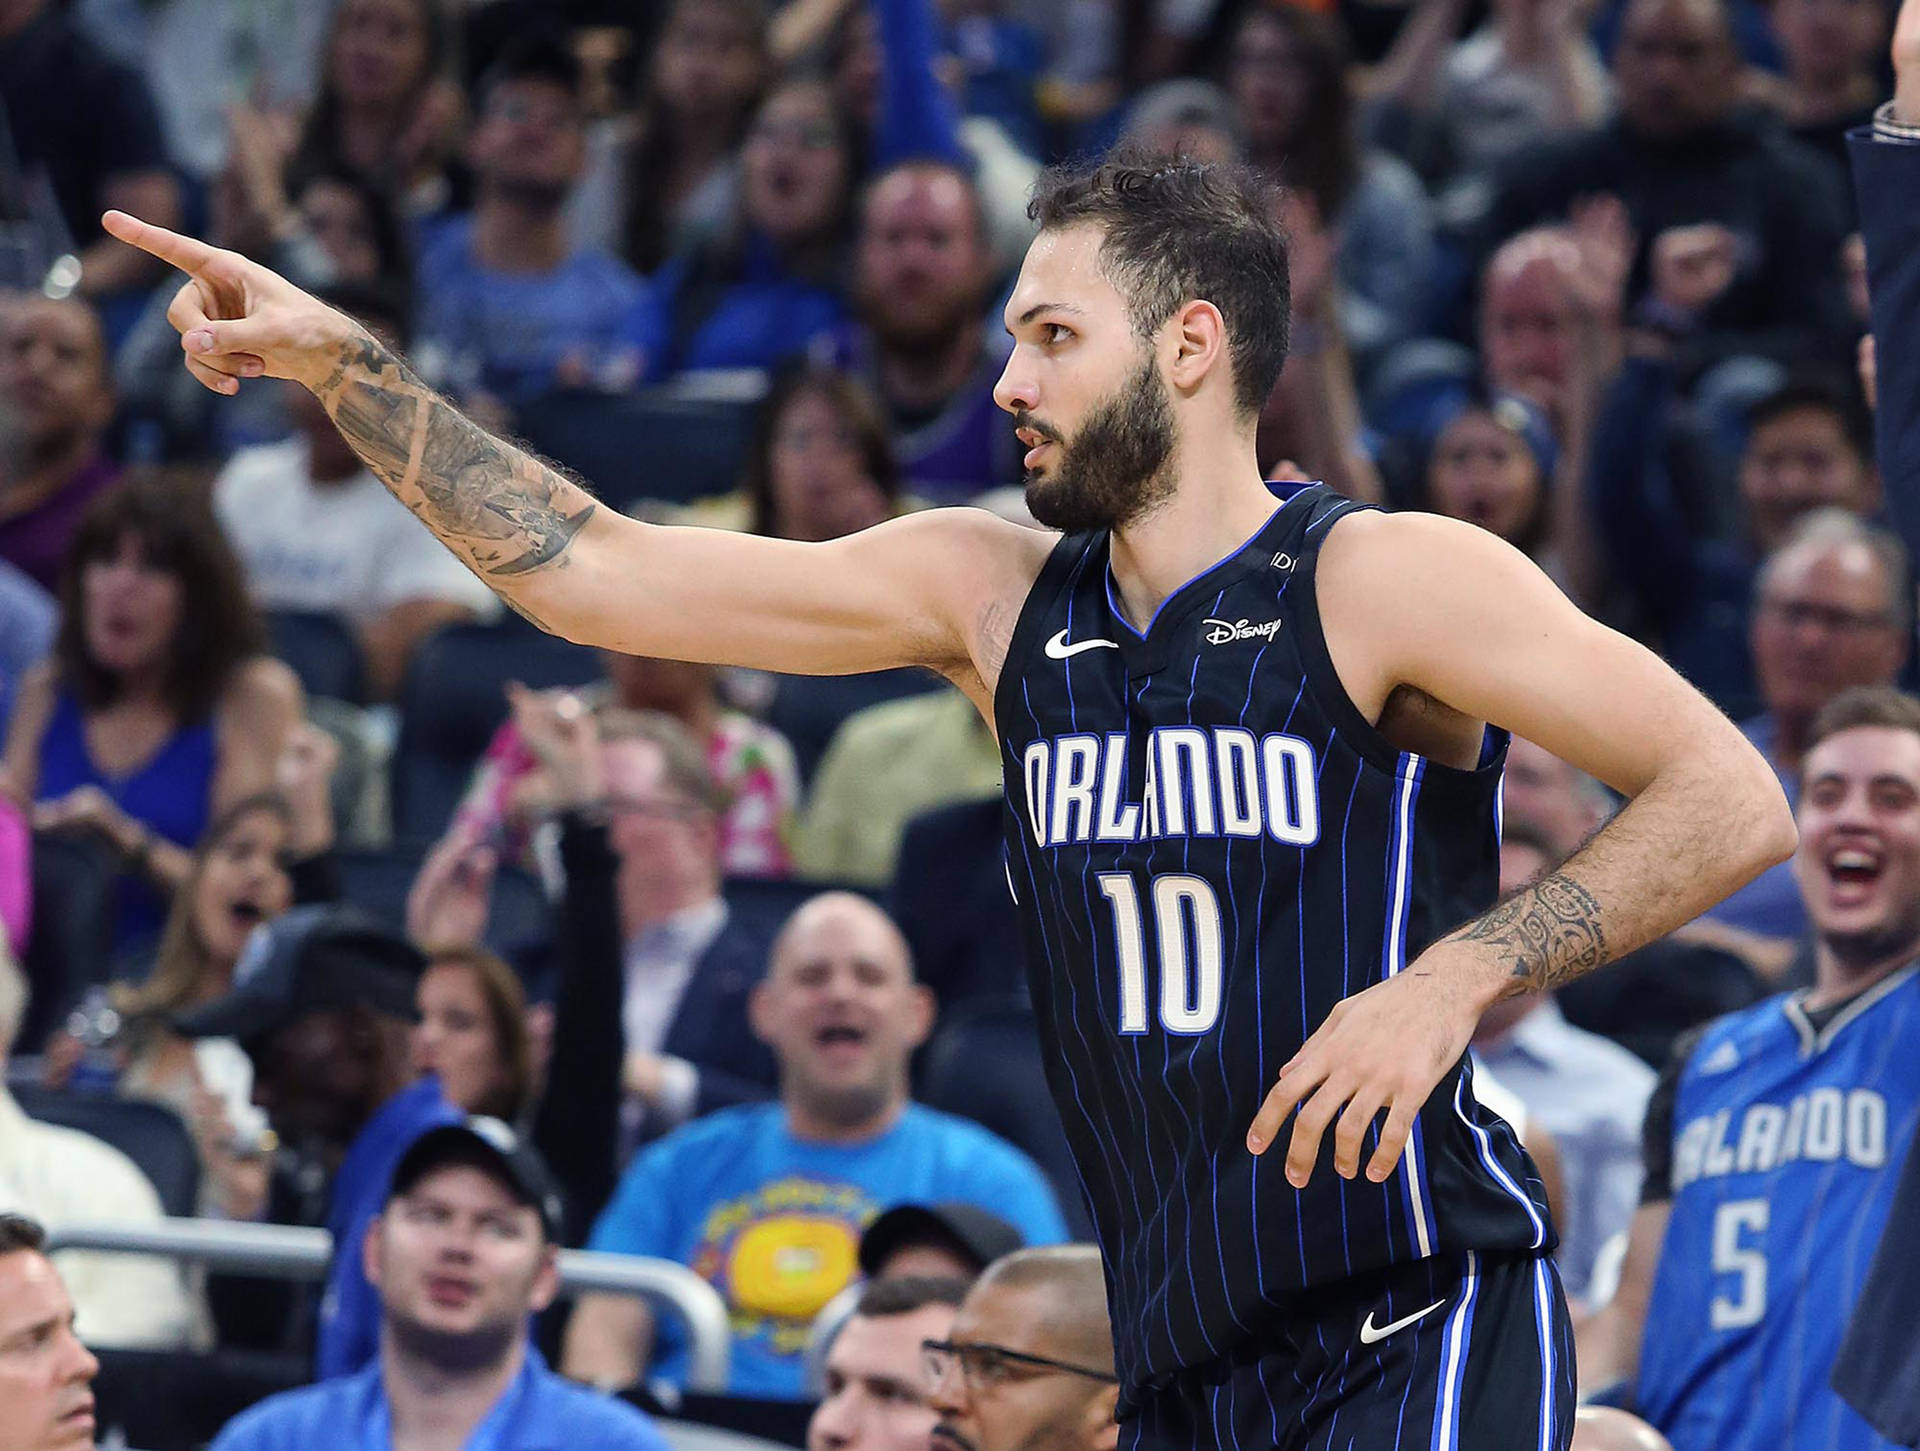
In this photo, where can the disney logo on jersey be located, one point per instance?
(1224, 632)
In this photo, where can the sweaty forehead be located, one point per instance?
(1062, 269)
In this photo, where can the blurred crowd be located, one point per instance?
(307, 844)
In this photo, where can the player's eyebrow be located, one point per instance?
(1039, 307)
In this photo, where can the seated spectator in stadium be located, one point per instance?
(751, 762)
(316, 532)
(1833, 49)
(762, 290)
(886, 765)
(54, 375)
(1808, 445)
(1287, 75)
(321, 1004)
(671, 175)
(1681, 152)
(509, 308)
(83, 128)
(463, 1252)
(767, 1201)
(922, 268)
(158, 708)
(876, 1373)
(387, 106)
(953, 1241)
(653, 972)
(1588, 1093)
(1833, 608)
(1773, 1140)
(61, 1176)
(1457, 108)
(472, 1033)
(1028, 1365)
(46, 1372)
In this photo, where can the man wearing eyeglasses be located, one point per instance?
(1028, 1365)
(1831, 610)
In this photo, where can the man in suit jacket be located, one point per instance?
(1878, 1368)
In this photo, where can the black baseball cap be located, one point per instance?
(969, 1231)
(306, 960)
(494, 1148)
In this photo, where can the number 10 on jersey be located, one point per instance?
(1187, 939)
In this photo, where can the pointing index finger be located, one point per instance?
(189, 254)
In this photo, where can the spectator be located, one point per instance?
(509, 307)
(1832, 48)
(463, 1252)
(1591, 1095)
(1681, 154)
(673, 177)
(46, 1373)
(1029, 1362)
(387, 106)
(1832, 609)
(1185, 118)
(62, 1176)
(761, 291)
(85, 137)
(315, 531)
(1768, 1138)
(876, 1373)
(751, 762)
(471, 1033)
(819, 465)
(1491, 463)
(1459, 108)
(53, 370)
(921, 274)
(1807, 446)
(158, 708)
(1287, 76)
(886, 765)
(953, 1241)
(766, 1201)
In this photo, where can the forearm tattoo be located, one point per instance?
(505, 512)
(1548, 933)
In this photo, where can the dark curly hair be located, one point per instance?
(1179, 231)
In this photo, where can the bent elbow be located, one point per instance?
(1773, 836)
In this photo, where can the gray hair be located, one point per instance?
(1831, 530)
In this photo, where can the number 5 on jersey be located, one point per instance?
(1186, 932)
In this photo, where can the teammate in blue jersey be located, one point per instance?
(1774, 1141)
(1253, 793)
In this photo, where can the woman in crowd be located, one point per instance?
(758, 292)
(158, 709)
(821, 463)
(1287, 74)
(473, 1032)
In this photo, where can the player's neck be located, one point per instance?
(1219, 503)
(1840, 970)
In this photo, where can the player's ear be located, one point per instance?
(1199, 343)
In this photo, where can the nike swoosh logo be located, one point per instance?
(1369, 1335)
(1059, 649)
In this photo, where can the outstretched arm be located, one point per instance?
(938, 590)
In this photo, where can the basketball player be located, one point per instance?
(1251, 789)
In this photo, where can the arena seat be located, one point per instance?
(167, 1400)
(377, 882)
(150, 1134)
(322, 650)
(985, 1063)
(452, 701)
(808, 709)
(653, 444)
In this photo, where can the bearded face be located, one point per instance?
(1116, 466)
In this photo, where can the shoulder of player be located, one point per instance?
(979, 568)
(1402, 557)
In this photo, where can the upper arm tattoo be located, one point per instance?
(1548, 933)
(507, 513)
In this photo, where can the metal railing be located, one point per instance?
(289, 1252)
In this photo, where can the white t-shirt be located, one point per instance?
(347, 548)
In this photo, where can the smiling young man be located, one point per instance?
(1243, 865)
(1773, 1143)
(462, 1255)
(768, 1201)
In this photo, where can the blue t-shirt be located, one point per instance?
(539, 1412)
(509, 333)
(1786, 1137)
(773, 1222)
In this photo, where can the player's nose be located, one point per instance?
(1016, 389)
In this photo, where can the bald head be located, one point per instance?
(1066, 1287)
(841, 921)
(1601, 1428)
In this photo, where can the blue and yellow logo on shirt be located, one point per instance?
(778, 1254)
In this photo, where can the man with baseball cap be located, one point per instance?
(937, 1241)
(462, 1254)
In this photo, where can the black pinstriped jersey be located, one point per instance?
(1211, 847)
